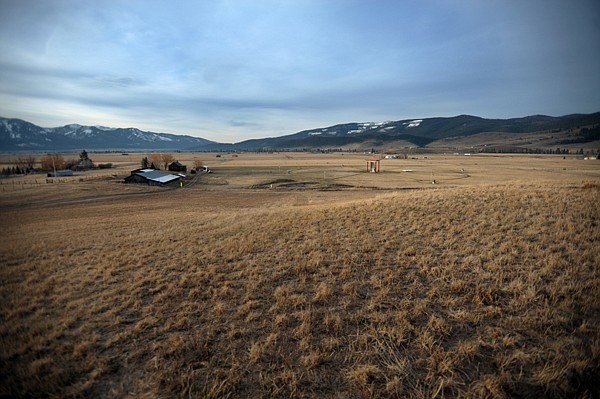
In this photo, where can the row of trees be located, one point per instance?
(523, 150)
(15, 170)
(27, 163)
(157, 160)
(56, 161)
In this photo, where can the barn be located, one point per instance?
(151, 177)
(177, 167)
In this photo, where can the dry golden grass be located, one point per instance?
(468, 291)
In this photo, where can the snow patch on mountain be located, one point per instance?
(414, 123)
(361, 127)
(7, 126)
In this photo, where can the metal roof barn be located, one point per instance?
(151, 177)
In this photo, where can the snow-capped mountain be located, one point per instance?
(19, 135)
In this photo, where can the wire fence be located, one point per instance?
(23, 182)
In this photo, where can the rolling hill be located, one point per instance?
(426, 132)
(541, 130)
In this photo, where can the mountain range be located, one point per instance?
(19, 135)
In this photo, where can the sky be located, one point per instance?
(233, 70)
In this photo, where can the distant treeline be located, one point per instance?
(16, 170)
(523, 150)
(586, 135)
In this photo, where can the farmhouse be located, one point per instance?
(151, 177)
(177, 167)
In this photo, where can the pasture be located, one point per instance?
(301, 275)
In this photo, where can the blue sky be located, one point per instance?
(234, 70)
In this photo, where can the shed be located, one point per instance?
(151, 177)
(373, 165)
(60, 173)
(177, 167)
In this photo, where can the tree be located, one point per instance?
(198, 164)
(166, 159)
(26, 162)
(156, 158)
(52, 161)
(71, 164)
(83, 155)
(145, 163)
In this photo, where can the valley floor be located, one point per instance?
(229, 289)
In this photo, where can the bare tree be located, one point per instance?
(166, 159)
(156, 159)
(52, 161)
(26, 162)
(198, 164)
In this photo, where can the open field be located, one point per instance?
(300, 275)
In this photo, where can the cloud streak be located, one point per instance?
(232, 70)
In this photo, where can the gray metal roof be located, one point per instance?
(157, 176)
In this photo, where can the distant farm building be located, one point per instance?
(373, 165)
(84, 164)
(177, 167)
(151, 177)
(61, 173)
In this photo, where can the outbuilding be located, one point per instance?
(177, 167)
(151, 177)
(373, 165)
(61, 173)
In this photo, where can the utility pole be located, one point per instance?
(53, 166)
